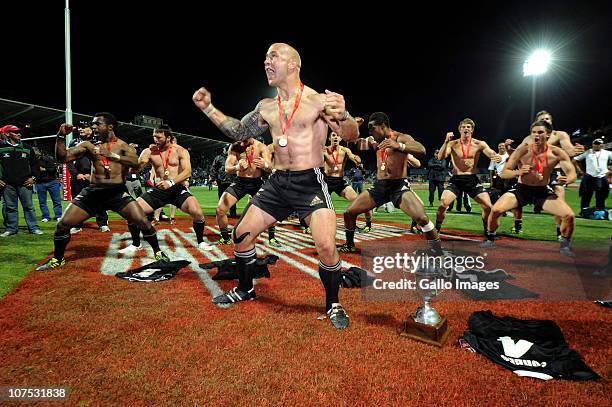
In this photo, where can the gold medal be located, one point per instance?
(166, 173)
(540, 176)
(383, 167)
(336, 168)
(469, 162)
(282, 141)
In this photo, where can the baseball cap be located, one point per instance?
(9, 127)
(598, 141)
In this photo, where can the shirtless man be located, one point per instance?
(248, 160)
(172, 165)
(110, 162)
(298, 119)
(395, 150)
(335, 158)
(465, 153)
(534, 165)
(561, 139)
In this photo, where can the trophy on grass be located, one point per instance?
(426, 324)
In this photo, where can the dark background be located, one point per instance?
(427, 66)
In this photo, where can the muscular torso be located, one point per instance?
(460, 161)
(526, 157)
(168, 159)
(116, 171)
(305, 136)
(334, 161)
(553, 140)
(250, 153)
(396, 162)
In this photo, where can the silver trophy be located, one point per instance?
(426, 324)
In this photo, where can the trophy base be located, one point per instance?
(431, 334)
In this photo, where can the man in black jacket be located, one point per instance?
(223, 179)
(19, 172)
(436, 174)
(47, 181)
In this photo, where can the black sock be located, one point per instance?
(60, 243)
(150, 236)
(413, 225)
(350, 238)
(490, 236)
(135, 232)
(438, 225)
(330, 277)
(245, 263)
(225, 234)
(303, 223)
(198, 227)
(369, 222)
(484, 226)
(518, 224)
(558, 230)
(271, 232)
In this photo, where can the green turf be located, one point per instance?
(20, 252)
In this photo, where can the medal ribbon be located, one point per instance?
(335, 157)
(246, 152)
(295, 107)
(466, 155)
(109, 147)
(539, 164)
(165, 165)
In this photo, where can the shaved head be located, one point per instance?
(288, 52)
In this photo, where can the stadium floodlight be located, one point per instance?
(537, 64)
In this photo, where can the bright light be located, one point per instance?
(537, 63)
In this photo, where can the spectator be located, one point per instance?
(47, 181)
(222, 178)
(19, 171)
(357, 175)
(436, 175)
(595, 179)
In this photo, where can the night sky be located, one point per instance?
(427, 68)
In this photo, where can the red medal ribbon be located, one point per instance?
(466, 155)
(335, 157)
(246, 152)
(295, 107)
(109, 147)
(539, 164)
(167, 159)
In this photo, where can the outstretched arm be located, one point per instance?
(64, 155)
(353, 157)
(251, 125)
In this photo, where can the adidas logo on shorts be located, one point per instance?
(315, 201)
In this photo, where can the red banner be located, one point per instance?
(66, 183)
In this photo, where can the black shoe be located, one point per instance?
(338, 316)
(235, 295)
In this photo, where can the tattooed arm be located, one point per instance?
(251, 125)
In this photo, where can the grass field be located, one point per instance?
(112, 342)
(24, 250)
